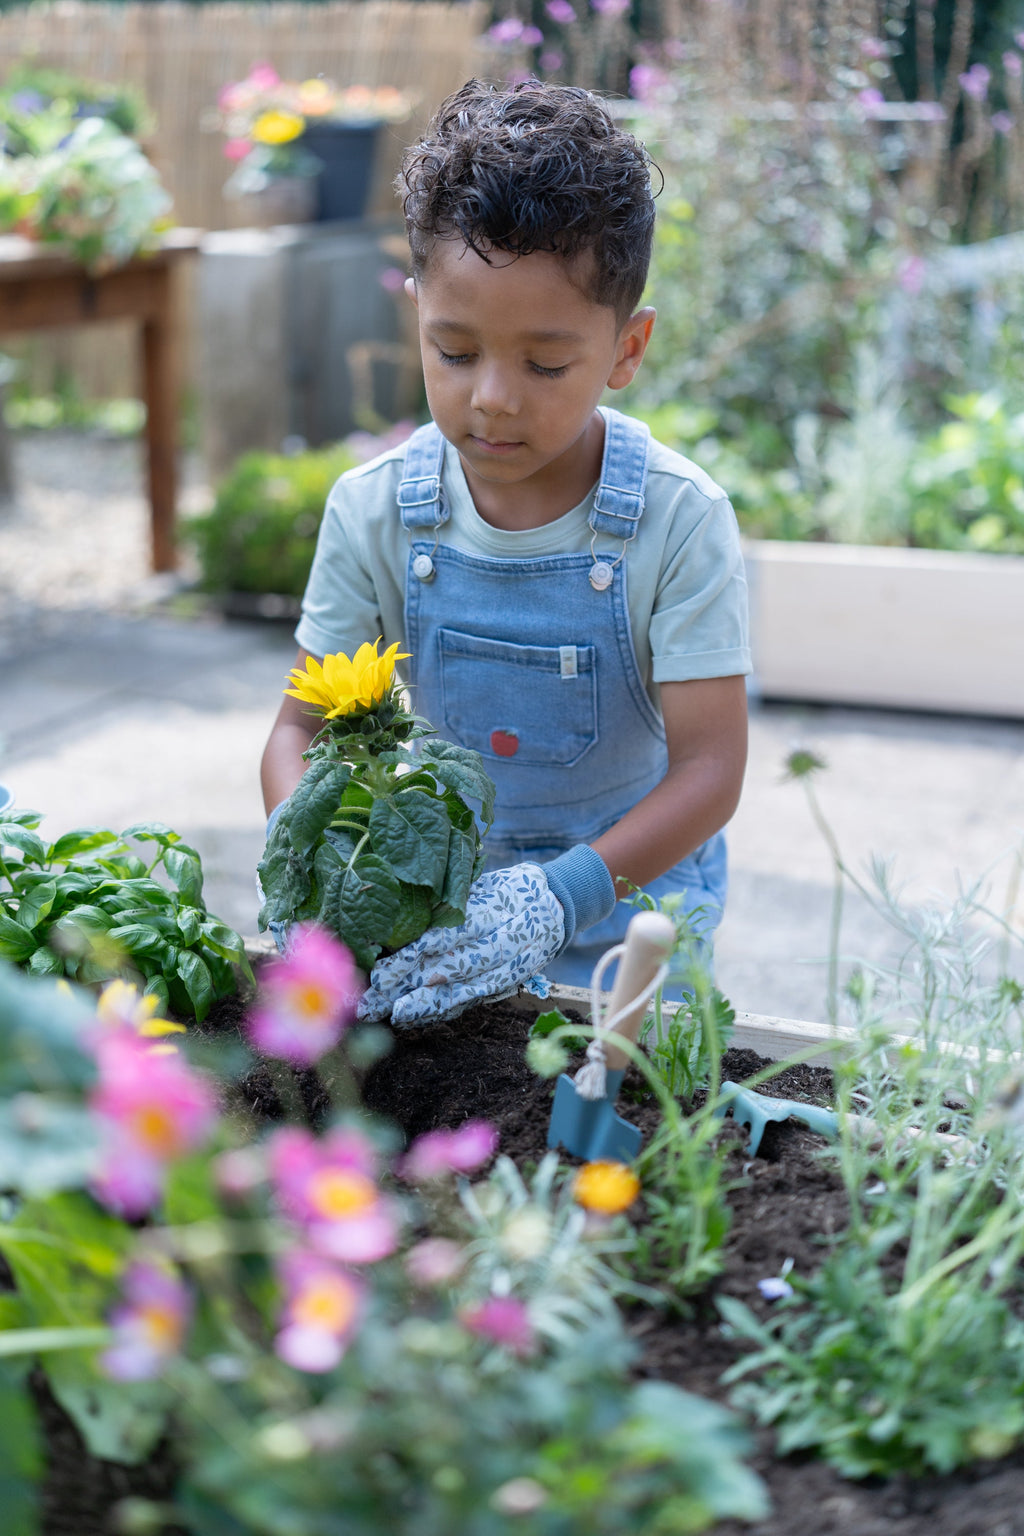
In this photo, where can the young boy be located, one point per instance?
(572, 593)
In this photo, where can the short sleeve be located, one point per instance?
(343, 601)
(699, 625)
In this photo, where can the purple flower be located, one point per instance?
(28, 101)
(509, 30)
(644, 80)
(975, 82)
(610, 7)
(873, 48)
(1012, 64)
(1002, 122)
(551, 60)
(149, 1325)
(531, 37)
(871, 101)
(327, 1188)
(775, 1289)
(436, 1153)
(561, 11)
(911, 278)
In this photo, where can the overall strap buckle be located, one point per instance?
(421, 502)
(619, 499)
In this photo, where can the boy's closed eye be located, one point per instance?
(456, 359)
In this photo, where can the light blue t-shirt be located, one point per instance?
(686, 584)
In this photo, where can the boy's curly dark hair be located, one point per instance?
(533, 167)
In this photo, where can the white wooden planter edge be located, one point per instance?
(897, 628)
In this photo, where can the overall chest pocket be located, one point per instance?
(532, 704)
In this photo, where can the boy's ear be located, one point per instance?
(631, 346)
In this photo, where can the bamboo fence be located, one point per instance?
(180, 56)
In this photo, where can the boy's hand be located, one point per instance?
(514, 926)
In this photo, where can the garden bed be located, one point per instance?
(784, 1204)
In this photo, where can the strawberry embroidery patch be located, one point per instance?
(505, 743)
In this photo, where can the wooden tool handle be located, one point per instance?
(650, 940)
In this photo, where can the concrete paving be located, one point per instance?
(111, 720)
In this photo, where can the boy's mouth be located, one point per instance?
(494, 446)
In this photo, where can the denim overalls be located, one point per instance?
(531, 663)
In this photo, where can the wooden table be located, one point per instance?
(41, 287)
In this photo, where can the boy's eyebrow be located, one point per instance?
(554, 335)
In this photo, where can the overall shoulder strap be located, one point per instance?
(619, 499)
(420, 497)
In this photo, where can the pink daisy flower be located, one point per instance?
(307, 998)
(152, 1109)
(328, 1188)
(150, 1324)
(505, 1321)
(437, 1153)
(321, 1309)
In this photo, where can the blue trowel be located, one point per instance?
(755, 1110)
(583, 1118)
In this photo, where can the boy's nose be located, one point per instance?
(493, 393)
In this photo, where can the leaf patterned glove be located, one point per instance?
(517, 920)
(514, 925)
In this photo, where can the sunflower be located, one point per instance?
(346, 687)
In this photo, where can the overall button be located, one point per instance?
(601, 575)
(423, 568)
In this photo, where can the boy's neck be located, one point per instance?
(546, 496)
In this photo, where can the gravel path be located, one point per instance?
(75, 536)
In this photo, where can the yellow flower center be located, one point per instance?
(338, 1193)
(156, 1130)
(162, 1326)
(328, 1302)
(606, 1187)
(307, 1000)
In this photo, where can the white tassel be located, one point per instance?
(591, 1079)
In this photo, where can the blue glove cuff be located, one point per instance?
(581, 881)
(275, 813)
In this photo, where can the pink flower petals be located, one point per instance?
(438, 1153)
(307, 998)
(149, 1326)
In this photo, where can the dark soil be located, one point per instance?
(785, 1204)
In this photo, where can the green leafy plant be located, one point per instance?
(90, 906)
(260, 534)
(378, 842)
(967, 479)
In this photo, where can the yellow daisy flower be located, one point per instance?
(277, 126)
(606, 1187)
(121, 1003)
(342, 686)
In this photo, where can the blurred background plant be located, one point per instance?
(73, 171)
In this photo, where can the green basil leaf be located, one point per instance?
(410, 832)
(195, 974)
(38, 903)
(26, 842)
(16, 942)
(187, 874)
(152, 832)
(45, 962)
(72, 844)
(141, 939)
(189, 923)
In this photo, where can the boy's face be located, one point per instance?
(515, 359)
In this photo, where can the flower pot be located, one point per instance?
(346, 152)
(284, 200)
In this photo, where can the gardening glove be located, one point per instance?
(517, 920)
